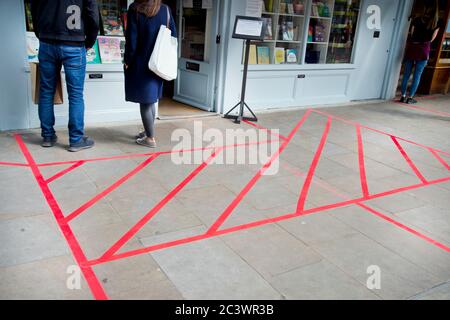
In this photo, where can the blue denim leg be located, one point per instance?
(420, 66)
(49, 68)
(74, 61)
(406, 75)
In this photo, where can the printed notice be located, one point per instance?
(251, 28)
(254, 8)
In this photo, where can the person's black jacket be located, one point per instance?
(66, 20)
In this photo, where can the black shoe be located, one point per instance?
(84, 143)
(403, 99)
(49, 142)
(411, 101)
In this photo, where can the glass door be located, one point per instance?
(198, 29)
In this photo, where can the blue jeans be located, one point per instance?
(409, 64)
(51, 58)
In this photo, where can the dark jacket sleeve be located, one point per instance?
(35, 16)
(91, 16)
(131, 36)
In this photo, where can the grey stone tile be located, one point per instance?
(431, 259)
(440, 292)
(355, 254)
(320, 281)
(270, 250)
(138, 277)
(29, 239)
(432, 219)
(208, 269)
(41, 280)
(317, 228)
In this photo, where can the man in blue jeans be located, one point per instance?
(65, 28)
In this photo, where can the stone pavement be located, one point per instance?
(361, 199)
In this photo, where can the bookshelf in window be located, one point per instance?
(319, 28)
(283, 42)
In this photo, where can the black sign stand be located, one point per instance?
(242, 104)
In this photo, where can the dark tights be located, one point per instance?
(148, 115)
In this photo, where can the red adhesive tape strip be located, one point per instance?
(110, 189)
(229, 210)
(362, 165)
(313, 167)
(415, 107)
(138, 226)
(408, 159)
(89, 275)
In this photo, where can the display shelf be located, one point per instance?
(285, 21)
(315, 31)
(343, 28)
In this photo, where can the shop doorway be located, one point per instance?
(374, 47)
(193, 92)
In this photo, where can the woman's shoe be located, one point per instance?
(141, 135)
(146, 142)
(403, 99)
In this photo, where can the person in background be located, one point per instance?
(142, 86)
(424, 30)
(65, 29)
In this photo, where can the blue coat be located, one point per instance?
(141, 84)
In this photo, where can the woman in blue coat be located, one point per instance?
(142, 86)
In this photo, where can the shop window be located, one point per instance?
(307, 31)
(195, 32)
(110, 45)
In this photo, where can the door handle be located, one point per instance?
(183, 27)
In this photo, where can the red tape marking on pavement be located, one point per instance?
(415, 107)
(371, 210)
(402, 226)
(439, 158)
(88, 273)
(229, 210)
(265, 129)
(13, 164)
(110, 189)
(64, 172)
(138, 226)
(408, 159)
(50, 164)
(379, 131)
(362, 166)
(313, 167)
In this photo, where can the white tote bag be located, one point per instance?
(164, 59)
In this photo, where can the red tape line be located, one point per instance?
(408, 159)
(64, 172)
(279, 136)
(229, 210)
(138, 226)
(13, 164)
(78, 254)
(415, 107)
(379, 131)
(406, 228)
(110, 189)
(313, 167)
(362, 166)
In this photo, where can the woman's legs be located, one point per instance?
(420, 66)
(148, 115)
(406, 75)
